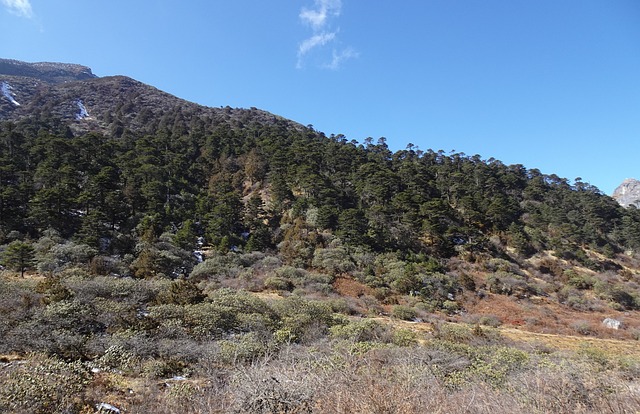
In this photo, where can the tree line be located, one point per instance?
(268, 186)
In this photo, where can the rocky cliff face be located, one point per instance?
(628, 193)
(46, 71)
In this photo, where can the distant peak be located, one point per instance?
(628, 193)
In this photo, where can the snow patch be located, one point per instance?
(83, 110)
(107, 408)
(6, 91)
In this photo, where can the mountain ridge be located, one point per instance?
(51, 72)
(113, 103)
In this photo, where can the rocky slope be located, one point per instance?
(71, 96)
(628, 193)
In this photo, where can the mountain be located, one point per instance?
(130, 171)
(72, 96)
(628, 193)
(235, 259)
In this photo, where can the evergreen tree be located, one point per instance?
(19, 256)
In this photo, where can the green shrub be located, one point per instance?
(305, 319)
(242, 348)
(450, 306)
(278, 283)
(116, 357)
(334, 260)
(579, 281)
(404, 337)
(218, 267)
(366, 330)
(403, 312)
(181, 292)
(43, 385)
(163, 368)
(53, 290)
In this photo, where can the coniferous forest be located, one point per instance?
(171, 261)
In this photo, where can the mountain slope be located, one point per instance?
(179, 258)
(141, 179)
(70, 95)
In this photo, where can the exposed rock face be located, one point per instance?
(46, 71)
(628, 193)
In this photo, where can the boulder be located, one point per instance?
(612, 323)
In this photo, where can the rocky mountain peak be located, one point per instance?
(46, 71)
(628, 193)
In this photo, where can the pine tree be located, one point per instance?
(19, 256)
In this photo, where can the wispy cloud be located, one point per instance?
(317, 40)
(339, 57)
(317, 17)
(19, 7)
(320, 20)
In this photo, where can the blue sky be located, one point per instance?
(550, 84)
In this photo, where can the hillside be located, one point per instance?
(160, 238)
(71, 99)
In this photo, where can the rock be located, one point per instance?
(612, 323)
(49, 72)
(628, 193)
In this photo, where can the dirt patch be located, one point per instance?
(546, 316)
(352, 288)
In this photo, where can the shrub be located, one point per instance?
(334, 260)
(438, 286)
(450, 306)
(163, 368)
(579, 281)
(490, 320)
(53, 290)
(181, 292)
(218, 267)
(278, 283)
(43, 385)
(242, 348)
(116, 357)
(404, 337)
(125, 290)
(305, 319)
(64, 255)
(582, 327)
(403, 312)
(366, 330)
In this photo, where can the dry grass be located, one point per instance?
(546, 316)
(392, 381)
(613, 347)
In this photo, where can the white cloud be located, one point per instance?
(317, 18)
(19, 7)
(339, 57)
(320, 19)
(314, 41)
